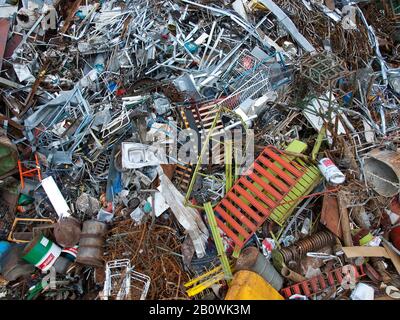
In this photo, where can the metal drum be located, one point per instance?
(251, 259)
(91, 243)
(382, 171)
(67, 232)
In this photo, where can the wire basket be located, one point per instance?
(124, 283)
(246, 68)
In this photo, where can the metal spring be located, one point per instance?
(312, 243)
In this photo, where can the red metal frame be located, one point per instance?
(29, 172)
(319, 283)
(267, 182)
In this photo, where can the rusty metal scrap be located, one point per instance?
(126, 117)
(153, 252)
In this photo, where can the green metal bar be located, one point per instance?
(211, 177)
(228, 165)
(317, 146)
(276, 239)
(236, 251)
(218, 241)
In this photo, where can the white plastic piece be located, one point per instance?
(137, 215)
(50, 19)
(188, 217)
(392, 292)
(305, 229)
(29, 18)
(362, 292)
(56, 198)
(394, 217)
(159, 203)
(298, 297)
(201, 39)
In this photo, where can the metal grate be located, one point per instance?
(256, 195)
(319, 283)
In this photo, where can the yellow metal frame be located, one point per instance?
(14, 226)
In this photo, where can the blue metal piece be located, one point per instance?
(4, 247)
(193, 48)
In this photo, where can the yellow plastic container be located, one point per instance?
(248, 285)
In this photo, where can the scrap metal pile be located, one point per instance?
(180, 149)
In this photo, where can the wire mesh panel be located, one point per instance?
(249, 78)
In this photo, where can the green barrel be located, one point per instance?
(41, 252)
(8, 156)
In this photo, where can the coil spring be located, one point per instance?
(312, 243)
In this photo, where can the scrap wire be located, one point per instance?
(156, 257)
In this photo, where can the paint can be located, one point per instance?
(62, 264)
(41, 252)
(66, 259)
(331, 173)
(70, 253)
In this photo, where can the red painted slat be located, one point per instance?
(238, 215)
(338, 274)
(313, 283)
(271, 178)
(306, 288)
(251, 199)
(232, 222)
(282, 174)
(229, 233)
(273, 192)
(241, 219)
(282, 162)
(296, 289)
(322, 282)
(286, 292)
(330, 279)
(257, 192)
(245, 207)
